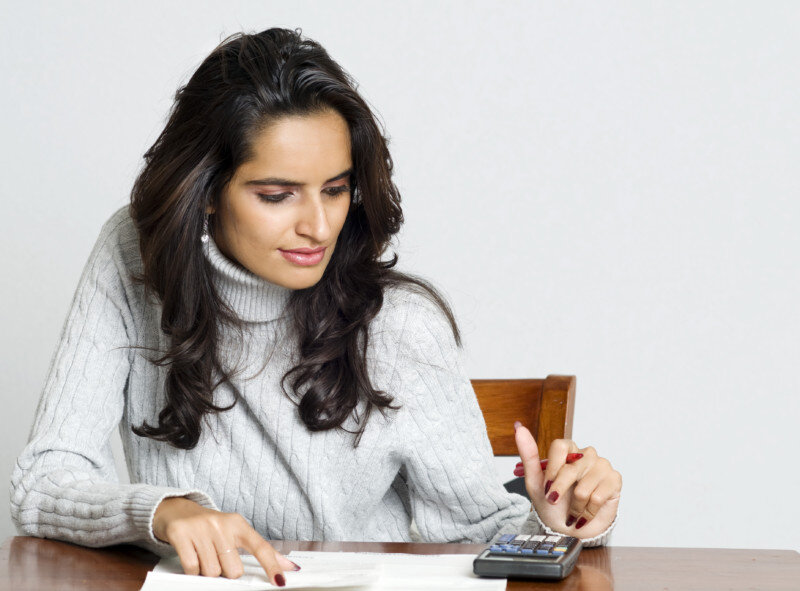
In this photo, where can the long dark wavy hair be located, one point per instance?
(247, 82)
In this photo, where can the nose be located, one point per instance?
(313, 219)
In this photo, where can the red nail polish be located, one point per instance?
(547, 486)
(570, 520)
(519, 464)
(553, 497)
(296, 566)
(280, 581)
(519, 472)
(581, 523)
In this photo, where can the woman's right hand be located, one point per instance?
(207, 541)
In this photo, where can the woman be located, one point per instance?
(251, 261)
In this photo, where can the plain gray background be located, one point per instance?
(602, 189)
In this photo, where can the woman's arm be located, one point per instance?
(64, 484)
(448, 467)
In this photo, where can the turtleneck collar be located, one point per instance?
(254, 299)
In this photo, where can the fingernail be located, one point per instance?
(519, 464)
(570, 520)
(547, 486)
(296, 566)
(553, 496)
(519, 471)
(581, 523)
(280, 581)
(517, 425)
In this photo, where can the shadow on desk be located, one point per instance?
(33, 563)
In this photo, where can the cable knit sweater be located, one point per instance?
(430, 460)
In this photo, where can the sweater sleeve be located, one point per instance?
(454, 493)
(64, 484)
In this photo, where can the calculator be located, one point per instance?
(528, 557)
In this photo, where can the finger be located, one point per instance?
(187, 555)
(229, 560)
(571, 457)
(529, 454)
(266, 555)
(557, 457)
(608, 489)
(584, 489)
(558, 468)
(209, 563)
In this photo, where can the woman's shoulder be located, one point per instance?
(411, 313)
(118, 229)
(119, 241)
(413, 341)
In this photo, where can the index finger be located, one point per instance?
(529, 454)
(267, 556)
(557, 457)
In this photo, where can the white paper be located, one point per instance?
(405, 571)
(343, 571)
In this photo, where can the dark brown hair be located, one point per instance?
(248, 81)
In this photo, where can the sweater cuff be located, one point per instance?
(143, 504)
(600, 539)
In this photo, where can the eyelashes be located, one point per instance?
(278, 197)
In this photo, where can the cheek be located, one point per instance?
(267, 230)
(340, 215)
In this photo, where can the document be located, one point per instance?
(342, 571)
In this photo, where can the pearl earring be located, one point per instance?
(204, 235)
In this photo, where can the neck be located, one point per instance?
(253, 298)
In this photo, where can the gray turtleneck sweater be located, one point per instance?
(430, 460)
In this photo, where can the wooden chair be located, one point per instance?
(545, 406)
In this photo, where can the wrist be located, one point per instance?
(164, 512)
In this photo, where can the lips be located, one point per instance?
(305, 257)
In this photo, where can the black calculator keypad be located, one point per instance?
(537, 556)
(533, 545)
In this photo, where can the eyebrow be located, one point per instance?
(291, 183)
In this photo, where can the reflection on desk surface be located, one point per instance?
(34, 563)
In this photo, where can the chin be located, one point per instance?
(300, 282)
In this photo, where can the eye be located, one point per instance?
(334, 191)
(273, 198)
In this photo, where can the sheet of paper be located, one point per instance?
(343, 571)
(168, 575)
(405, 571)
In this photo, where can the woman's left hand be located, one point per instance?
(579, 499)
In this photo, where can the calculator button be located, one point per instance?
(552, 539)
(530, 545)
(537, 538)
(527, 551)
(560, 549)
(496, 549)
(506, 538)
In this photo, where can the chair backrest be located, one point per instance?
(545, 406)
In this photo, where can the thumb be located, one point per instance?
(529, 454)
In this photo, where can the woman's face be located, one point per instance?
(281, 213)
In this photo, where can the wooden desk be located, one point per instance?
(32, 563)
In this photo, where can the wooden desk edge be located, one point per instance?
(28, 563)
